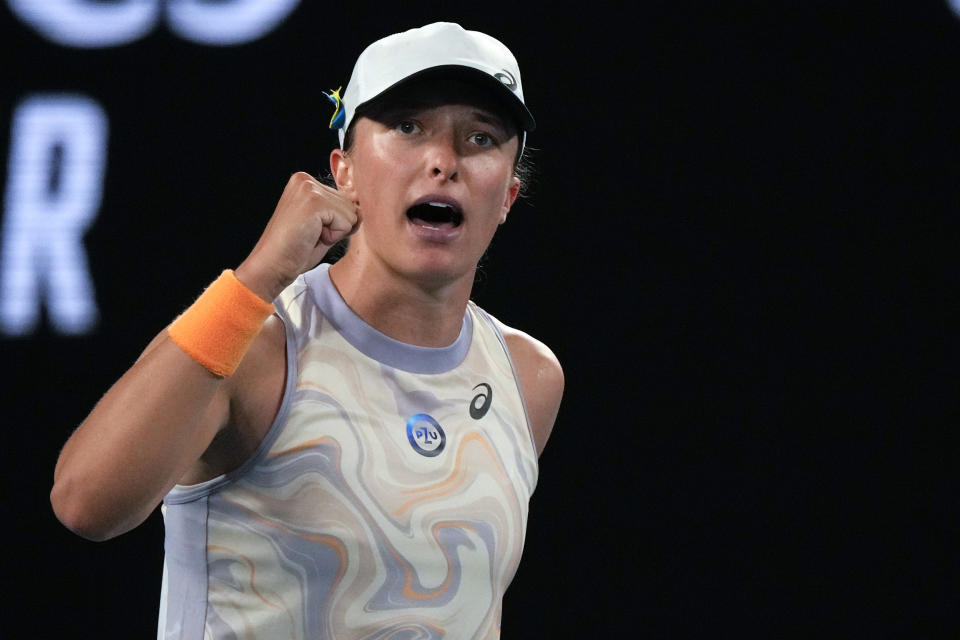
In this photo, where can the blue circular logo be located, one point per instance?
(426, 435)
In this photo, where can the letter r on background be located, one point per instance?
(54, 188)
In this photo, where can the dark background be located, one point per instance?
(741, 246)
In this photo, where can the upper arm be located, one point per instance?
(247, 404)
(541, 381)
(166, 420)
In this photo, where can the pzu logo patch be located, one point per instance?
(425, 434)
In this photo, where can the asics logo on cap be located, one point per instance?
(507, 79)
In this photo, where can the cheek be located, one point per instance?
(377, 168)
(496, 184)
(376, 191)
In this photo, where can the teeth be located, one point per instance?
(451, 215)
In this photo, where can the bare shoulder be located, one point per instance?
(541, 380)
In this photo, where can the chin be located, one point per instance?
(439, 270)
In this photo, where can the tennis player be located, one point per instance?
(345, 451)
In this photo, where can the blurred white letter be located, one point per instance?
(226, 23)
(85, 24)
(55, 178)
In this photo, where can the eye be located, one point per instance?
(407, 127)
(483, 139)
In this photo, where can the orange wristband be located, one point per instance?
(220, 326)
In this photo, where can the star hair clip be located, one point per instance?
(336, 121)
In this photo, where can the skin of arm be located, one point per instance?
(137, 442)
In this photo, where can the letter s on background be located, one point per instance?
(226, 23)
(88, 25)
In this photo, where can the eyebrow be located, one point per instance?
(490, 118)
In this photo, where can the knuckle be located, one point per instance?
(299, 177)
(304, 182)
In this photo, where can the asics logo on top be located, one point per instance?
(481, 402)
(507, 79)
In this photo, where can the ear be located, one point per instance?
(342, 169)
(512, 192)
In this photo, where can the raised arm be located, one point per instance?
(169, 418)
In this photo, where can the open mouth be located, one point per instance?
(435, 214)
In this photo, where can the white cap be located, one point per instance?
(437, 47)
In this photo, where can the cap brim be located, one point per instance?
(509, 99)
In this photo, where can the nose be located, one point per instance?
(443, 159)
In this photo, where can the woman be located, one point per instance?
(355, 459)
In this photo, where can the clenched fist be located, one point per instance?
(309, 219)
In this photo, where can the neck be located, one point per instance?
(425, 314)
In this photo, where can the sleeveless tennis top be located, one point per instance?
(388, 499)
